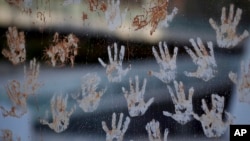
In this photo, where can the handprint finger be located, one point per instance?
(181, 93)
(204, 106)
(171, 16)
(217, 103)
(163, 57)
(167, 55)
(143, 87)
(104, 127)
(150, 101)
(196, 116)
(197, 50)
(113, 121)
(115, 52)
(166, 131)
(233, 77)
(125, 92)
(125, 125)
(237, 17)
(231, 14)
(149, 130)
(136, 84)
(156, 74)
(158, 60)
(213, 24)
(175, 53)
(172, 95)
(223, 16)
(202, 47)
(119, 125)
(121, 55)
(168, 114)
(192, 55)
(190, 94)
(102, 63)
(177, 90)
(244, 35)
(211, 49)
(110, 55)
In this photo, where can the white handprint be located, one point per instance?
(114, 70)
(226, 34)
(212, 123)
(242, 82)
(154, 133)
(60, 115)
(116, 133)
(183, 106)
(135, 98)
(206, 63)
(89, 99)
(113, 15)
(167, 64)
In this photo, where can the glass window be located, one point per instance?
(123, 70)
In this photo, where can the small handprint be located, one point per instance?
(212, 123)
(62, 50)
(31, 75)
(89, 99)
(16, 43)
(116, 133)
(154, 133)
(167, 64)
(206, 63)
(114, 70)
(18, 92)
(7, 135)
(18, 99)
(113, 15)
(226, 34)
(183, 106)
(135, 98)
(60, 115)
(243, 82)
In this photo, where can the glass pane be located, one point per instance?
(123, 70)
